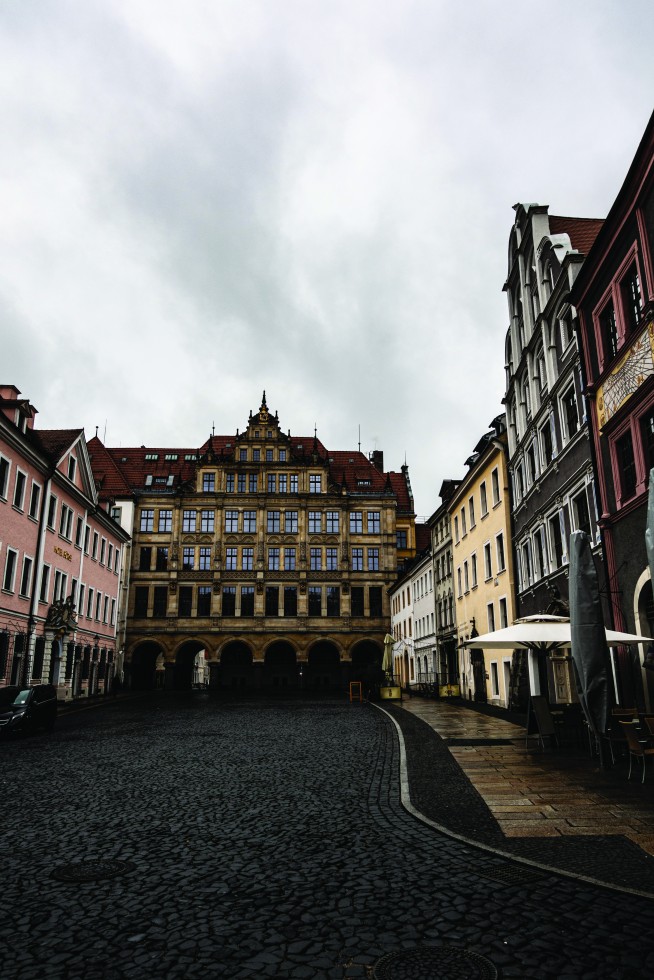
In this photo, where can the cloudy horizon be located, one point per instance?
(204, 200)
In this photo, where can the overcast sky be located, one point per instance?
(206, 198)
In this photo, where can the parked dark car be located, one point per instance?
(31, 708)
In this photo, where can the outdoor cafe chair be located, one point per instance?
(641, 748)
(614, 734)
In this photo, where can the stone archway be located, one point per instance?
(186, 668)
(142, 669)
(280, 666)
(236, 666)
(323, 669)
(366, 656)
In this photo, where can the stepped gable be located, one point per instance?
(582, 231)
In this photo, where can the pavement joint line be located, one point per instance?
(405, 799)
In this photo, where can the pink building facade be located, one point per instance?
(60, 559)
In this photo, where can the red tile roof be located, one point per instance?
(53, 443)
(582, 231)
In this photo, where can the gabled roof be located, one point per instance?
(53, 443)
(581, 231)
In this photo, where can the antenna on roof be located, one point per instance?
(104, 438)
(359, 437)
(96, 431)
(213, 428)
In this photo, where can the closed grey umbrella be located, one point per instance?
(588, 636)
(649, 528)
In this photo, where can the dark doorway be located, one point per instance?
(143, 668)
(280, 666)
(323, 669)
(236, 666)
(185, 675)
(366, 665)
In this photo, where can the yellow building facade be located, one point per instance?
(480, 515)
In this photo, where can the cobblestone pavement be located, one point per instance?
(267, 840)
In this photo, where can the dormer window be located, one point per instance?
(151, 457)
(148, 480)
(171, 457)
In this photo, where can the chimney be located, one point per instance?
(377, 459)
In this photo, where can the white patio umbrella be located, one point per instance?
(544, 634)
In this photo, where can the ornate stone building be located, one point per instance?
(263, 553)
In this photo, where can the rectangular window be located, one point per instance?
(375, 596)
(145, 559)
(315, 600)
(456, 530)
(331, 556)
(373, 522)
(580, 514)
(230, 559)
(96, 538)
(185, 600)
(189, 521)
(188, 557)
(400, 540)
(356, 600)
(466, 577)
(141, 595)
(45, 582)
(91, 595)
(35, 499)
(256, 455)
(162, 559)
(160, 602)
(205, 559)
(556, 540)
(26, 577)
(79, 531)
(208, 482)
(272, 525)
(231, 521)
(315, 522)
(357, 559)
(316, 559)
(332, 522)
(283, 483)
(546, 446)
(373, 559)
(103, 548)
(110, 555)
(464, 530)
(113, 612)
(624, 451)
(272, 600)
(499, 548)
(247, 558)
(4, 476)
(80, 604)
(483, 499)
(609, 332)
(19, 489)
(632, 302)
(207, 518)
(356, 522)
(290, 522)
(273, 559)
(490, 616)
(569, 416)
(105, 609)
(494, 679)
(147, 521)
(241, 483)
(526, 565)
(294, 482)
(333, 600)
(269, 455)
(52, 512)
(504, 617)
(272, 480)
(488, 562)
(204, 600)
(229, 600)
(247, 600)
(495, 486)
(282, 455)
(290, 600)
(252, 483)
(229, 483)
(242, 455)
(471, 511)
(289, 559)
(66, 522)
(473, 569)
(249, 521)
(315, 483)
(165, 521)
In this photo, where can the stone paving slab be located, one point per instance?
(269, 840)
